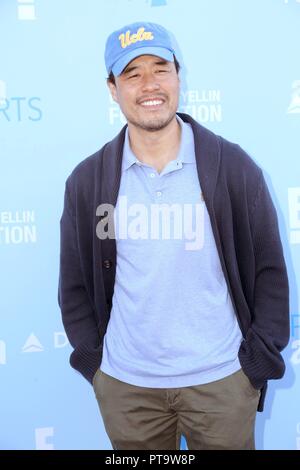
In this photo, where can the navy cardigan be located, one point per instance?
(245, 227)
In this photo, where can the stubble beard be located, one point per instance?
(152, 125)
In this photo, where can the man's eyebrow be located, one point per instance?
(133, 67)
(161, 62)
(129, 69)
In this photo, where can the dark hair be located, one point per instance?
(111, 77)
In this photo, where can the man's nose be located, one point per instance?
(150, 82)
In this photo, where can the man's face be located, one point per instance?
(147, 92)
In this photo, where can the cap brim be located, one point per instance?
(119, 66)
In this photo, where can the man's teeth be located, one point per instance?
(152, 103)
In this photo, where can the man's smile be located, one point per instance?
(152, 103)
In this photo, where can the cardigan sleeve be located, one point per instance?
(269, 331)
(77, 311)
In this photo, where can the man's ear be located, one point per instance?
(113, 90)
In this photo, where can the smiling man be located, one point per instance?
(177, 338)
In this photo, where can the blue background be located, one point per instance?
(55, 110)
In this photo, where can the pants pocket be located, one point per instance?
(248, 385)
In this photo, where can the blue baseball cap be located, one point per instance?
(133, 40)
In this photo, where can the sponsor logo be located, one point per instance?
(32, 344)
(20, 108)
(2, 352)
(294, 107)
(294, 214)
(114, 113)
(60, 340)
(17, 227)
(202, 105)
(26, 10)
(141, 35)
(41, 438)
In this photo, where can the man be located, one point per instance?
(173, 287)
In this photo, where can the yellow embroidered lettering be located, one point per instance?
(127, 39)
(141, 35)
(122, 39)
(148, 36)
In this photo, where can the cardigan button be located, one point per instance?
(107, 263)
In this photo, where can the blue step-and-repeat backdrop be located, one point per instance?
(240, 78)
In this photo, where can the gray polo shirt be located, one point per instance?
(172, 321)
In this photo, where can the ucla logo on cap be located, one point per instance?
(133, 40)
(141, 35)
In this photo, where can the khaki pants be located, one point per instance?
(217, 415)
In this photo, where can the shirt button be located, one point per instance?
(158, 193)
(152, 175)
(107, 263)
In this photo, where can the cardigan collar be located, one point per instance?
(207, 150)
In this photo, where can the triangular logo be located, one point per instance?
(32, 344)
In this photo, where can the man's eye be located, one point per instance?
(133, 76)
(162, 71)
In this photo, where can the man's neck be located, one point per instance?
(156, 148)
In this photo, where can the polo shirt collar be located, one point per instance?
(186, 153)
